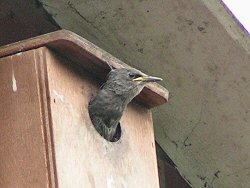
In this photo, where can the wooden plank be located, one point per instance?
(84, 158)
(22, 150)
(81, 51)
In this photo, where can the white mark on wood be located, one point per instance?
(20, 53)
(110, 182)
(14, 85)
(57, 95)
(124, 183)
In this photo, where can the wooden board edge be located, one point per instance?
(40, 61)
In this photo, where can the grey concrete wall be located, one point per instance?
(21, 20)
(203, 57)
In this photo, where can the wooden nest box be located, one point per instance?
(47, 138)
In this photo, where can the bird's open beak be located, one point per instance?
(148, 79)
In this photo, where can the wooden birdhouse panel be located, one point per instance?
(82, 156)
(23, 148)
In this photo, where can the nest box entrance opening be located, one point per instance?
(111, 134)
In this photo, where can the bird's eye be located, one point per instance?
(131, 75)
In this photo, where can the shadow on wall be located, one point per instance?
(22, 20)
(169, 177)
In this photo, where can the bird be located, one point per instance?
(107, 107)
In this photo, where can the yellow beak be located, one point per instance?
(147, 79)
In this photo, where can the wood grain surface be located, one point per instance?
(23, 156)
(84, 158)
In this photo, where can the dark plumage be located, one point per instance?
(107, 107)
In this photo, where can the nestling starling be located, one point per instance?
(107, 107)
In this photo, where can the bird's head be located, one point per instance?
(128, 81)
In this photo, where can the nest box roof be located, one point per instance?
(78, 49)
